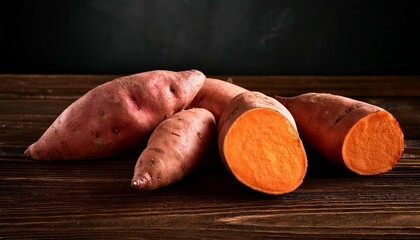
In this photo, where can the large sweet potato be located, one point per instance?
(116, 115)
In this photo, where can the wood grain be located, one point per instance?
(93, 199)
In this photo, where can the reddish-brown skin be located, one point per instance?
(174, 149)
(324, 120)
(215, 95)
(116, 115)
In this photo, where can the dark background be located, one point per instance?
(218, 37)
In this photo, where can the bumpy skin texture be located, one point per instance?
(215, 95)
(259, 144)
(325, 120)
(116, 115)
(174, 149)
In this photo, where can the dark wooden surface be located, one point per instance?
(93, 199)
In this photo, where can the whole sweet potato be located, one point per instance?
(175, 149)
(116, 115)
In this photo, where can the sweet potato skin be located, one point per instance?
(249, 101)
(215, 95)
(175, 149)
(324, 120)
(116, 115)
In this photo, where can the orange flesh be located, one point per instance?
(374, 144)
(264, 152)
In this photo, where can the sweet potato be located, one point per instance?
(215, 95)
(360, 136)
(259, 144)
(116, 115)
(174, 149)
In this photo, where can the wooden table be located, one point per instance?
(93, 199)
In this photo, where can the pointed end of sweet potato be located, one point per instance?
(30, 153)
(142, 182)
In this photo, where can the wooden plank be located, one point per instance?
(48, 86)
(93, 199)
(352, 86)
(73, 86)
(82, 199)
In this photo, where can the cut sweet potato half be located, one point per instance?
(364, 138)
(260, 145)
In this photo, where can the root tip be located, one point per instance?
(141, 182)
(28, 153)
(31, 154)
(134, 184)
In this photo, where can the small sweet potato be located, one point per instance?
(174, 149)
(116, 115)
(215, 95)
(360, 136)
(259, 144)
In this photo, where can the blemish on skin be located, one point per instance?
(347, 111)
(95, 134)
(116, 131)
(75, 129)
(176, 134)
(158, 150)
(264, 99)
(63, 144)
(352, 109)
(172, 88)
(233, 113)
(313, 99)
(200, 101)
(101, 114)
(159, 175)
(119, 104)
(200, 136)
(165, 128)
(152, 161)
(134, 100)
(310, 118)
(99, 143)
